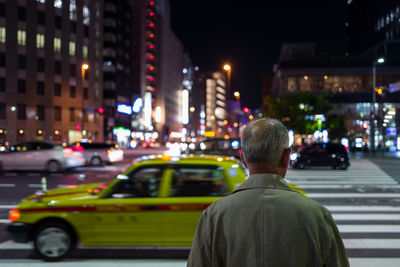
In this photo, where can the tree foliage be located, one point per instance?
(297, 109)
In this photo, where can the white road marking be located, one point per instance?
(371, 243)
(364, 216)
(368, 228)
(7, 206)
(353, 195)
(35, 185)
(4, 221)
(374, 182)
(373, 262)
(346, 186)
(7, 185)
(362, 208)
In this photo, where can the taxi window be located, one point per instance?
(144, 182)
(198, 181)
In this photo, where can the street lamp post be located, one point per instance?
(378, 61)
(84, 67)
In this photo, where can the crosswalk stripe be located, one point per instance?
(346, 186)
(365, 216)
(362, 208)
(371, 243)
(353, 195)
(374, 228)
(349, 182)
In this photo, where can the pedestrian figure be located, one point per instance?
(265, 222)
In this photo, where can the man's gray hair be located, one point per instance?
(263, 141)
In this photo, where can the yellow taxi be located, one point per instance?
(156, 202)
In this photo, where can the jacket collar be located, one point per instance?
(264, 180)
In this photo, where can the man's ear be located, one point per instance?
(286, 157)
(243, 161)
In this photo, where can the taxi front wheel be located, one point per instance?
(53, 241)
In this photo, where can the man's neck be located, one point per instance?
(258, 169)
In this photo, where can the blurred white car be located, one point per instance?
(39, 155)
(99, 153)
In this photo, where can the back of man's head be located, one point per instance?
(263, 142)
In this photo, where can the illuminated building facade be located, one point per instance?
(349, 82)
(45, 94)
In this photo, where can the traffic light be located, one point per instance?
(365, 125)
(100, 111)
(246, 110)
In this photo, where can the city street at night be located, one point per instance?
(364, 201)
(158, 132)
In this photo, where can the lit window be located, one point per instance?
(58, 3)
(41, 1)
(86, 15)
(85, 51)
(2, 34)
(72, 9)
(72, 48)
(21, 37)
(57, 44)
(40, 40)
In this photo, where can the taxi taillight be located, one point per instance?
(14, 215)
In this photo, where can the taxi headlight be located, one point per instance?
(14, 215)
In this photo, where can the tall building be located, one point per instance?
(120, 88)
(210, 103)
(373, 27)
(45, 93)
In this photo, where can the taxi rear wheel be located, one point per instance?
(53, 166)
(53, 241)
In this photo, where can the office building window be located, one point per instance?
(21, 86)
(72, 9)
(21, 62)
(57, 44)
(85, 51)
(72, 68)
(41, 18)
(57, 89)
(72, 48)
(57, 67)
(40, 64)
(41, 1)
(58, 3)
(2, 34)
(21, 111)
(73, 26)
(2, 84)
(2, 59)
(57, 113)
(86, 31)
(85, 93)
(72, 114)
(72, 91)
(40, 40)
(57, 22)
(86, 15)
(40, 88)
(2, 9)
(21, 35)
(2, 111)
(40, 114)
(21, 13)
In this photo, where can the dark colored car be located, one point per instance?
(329, 154)
(219, 146)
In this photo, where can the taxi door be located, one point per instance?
(128, 216)
(192, 188)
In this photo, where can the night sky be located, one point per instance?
(249, 35)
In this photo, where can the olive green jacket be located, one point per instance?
(266, 223)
